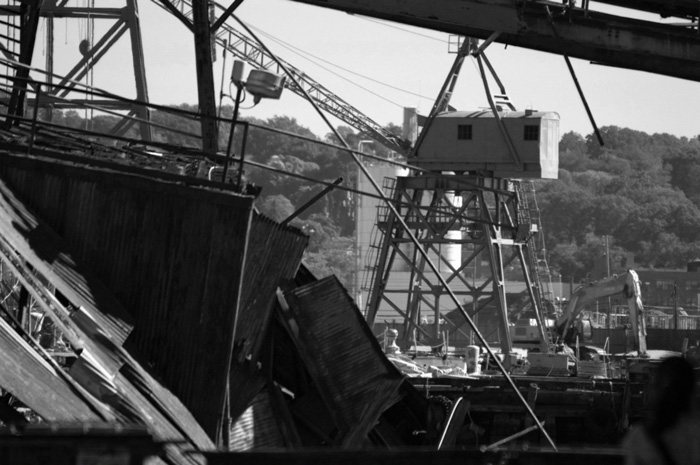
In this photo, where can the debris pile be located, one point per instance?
(182, 309)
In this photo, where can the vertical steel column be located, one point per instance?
(142, 111)
(205, 75)
(493, 238)
(29, 12)
(541, 323)
(49, 62)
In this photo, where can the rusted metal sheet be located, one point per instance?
(181, 434)
(41, 246)
(354, 378)
(31, 251)
(133, 393)
(172, 418)
(172, 255)
(273, 258)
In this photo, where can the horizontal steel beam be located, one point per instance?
(70, 12)
(601, 38)
(687, 9)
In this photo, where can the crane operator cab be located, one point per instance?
(517, 144)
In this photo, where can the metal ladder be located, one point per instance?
(537, 253)
(376, 237)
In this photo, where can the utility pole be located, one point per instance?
(675, 307)
(607, 263)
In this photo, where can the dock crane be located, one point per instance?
(508, 225)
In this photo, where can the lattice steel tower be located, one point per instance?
(25, 82)
(466, 199)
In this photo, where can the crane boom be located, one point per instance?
(627, 284)
(250, 51)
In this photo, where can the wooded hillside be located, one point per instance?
(641, 190)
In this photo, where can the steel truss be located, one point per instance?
(24, 17)
(483, 212)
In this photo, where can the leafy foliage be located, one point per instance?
(641, 190)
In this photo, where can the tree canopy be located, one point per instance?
(641, 190)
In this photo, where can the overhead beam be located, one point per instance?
(687, 9)
(601, 38)
(61, 11)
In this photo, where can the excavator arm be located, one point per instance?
(627, 284)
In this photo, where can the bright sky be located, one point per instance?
(381, 67)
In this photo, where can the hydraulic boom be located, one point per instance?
(627, 284)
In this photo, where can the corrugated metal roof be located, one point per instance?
(355, 379)
(32, 238)
(134, 396)
(273, 257)
(173, 256)
(257, 427)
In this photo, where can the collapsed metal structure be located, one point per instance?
(185, 309)
(180, 308)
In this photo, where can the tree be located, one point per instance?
(277, 207)
(573, 152)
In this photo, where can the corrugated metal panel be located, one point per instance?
(356, 380)
(161, 406)
(171, 254)
(256, 428)
(25, 241)
(162, 422)
(134, 394)
(273, 257)
(49, 256)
